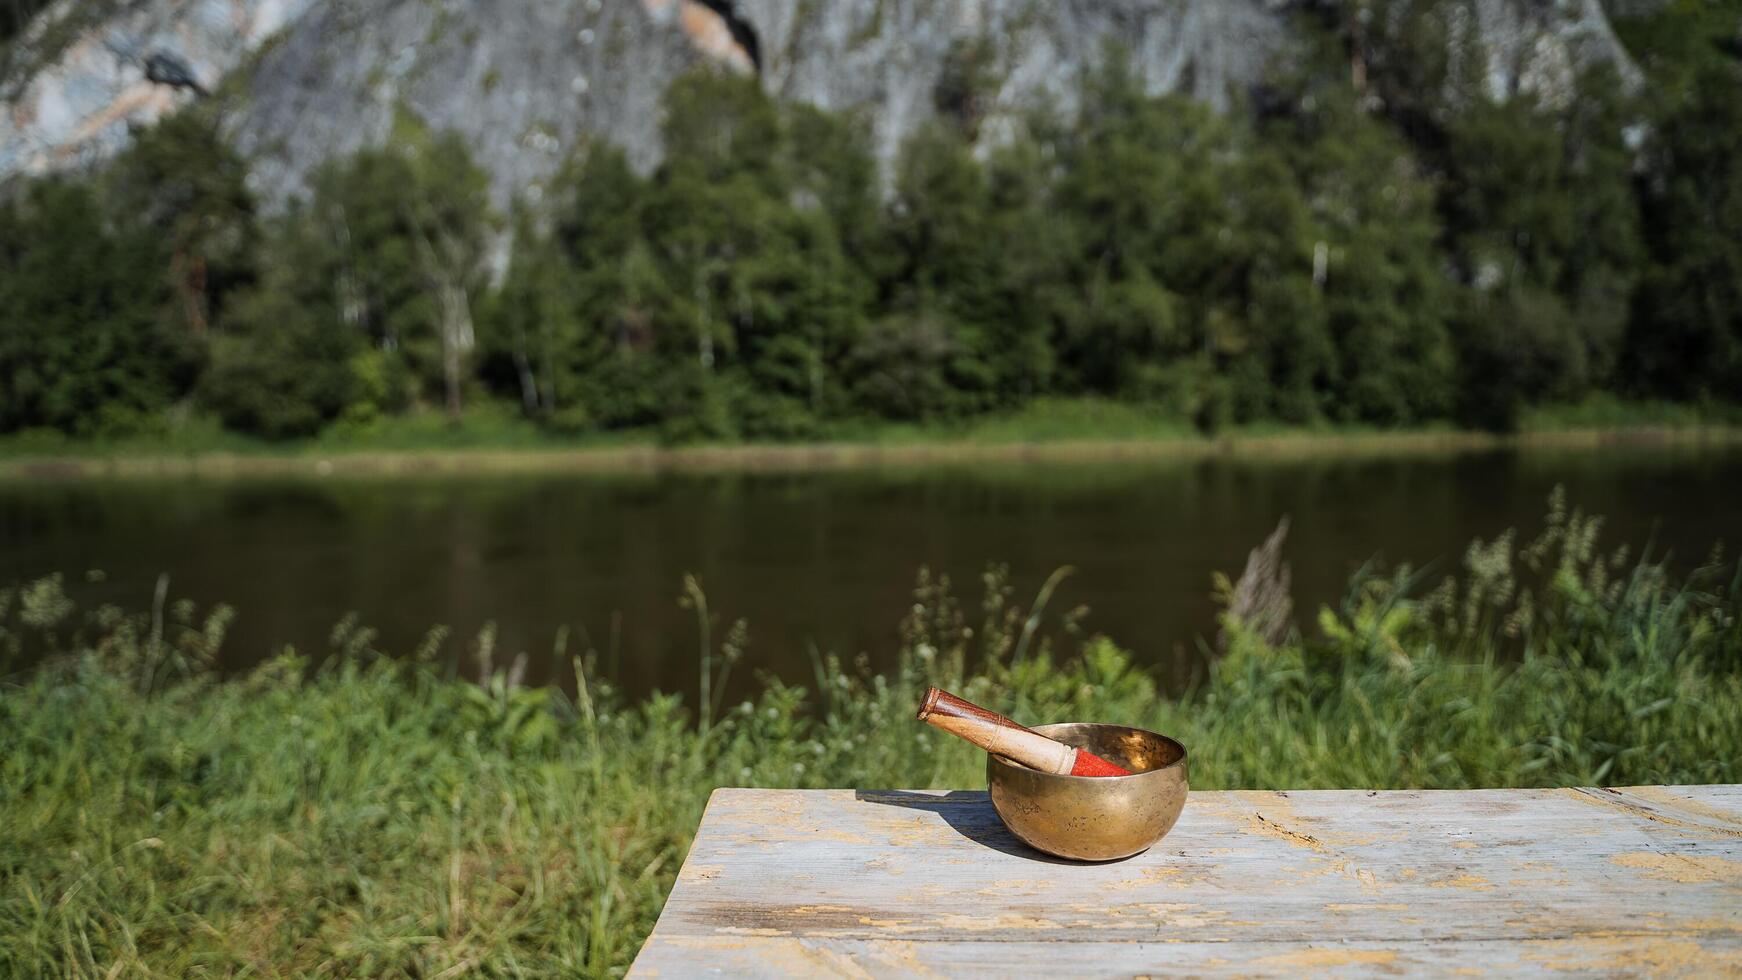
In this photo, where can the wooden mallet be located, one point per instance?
(1001, 736)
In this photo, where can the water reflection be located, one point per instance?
(824, 558)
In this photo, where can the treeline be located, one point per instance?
(1391, 252)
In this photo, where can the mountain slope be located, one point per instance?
(526, 81)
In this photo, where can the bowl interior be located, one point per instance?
(1135, 749)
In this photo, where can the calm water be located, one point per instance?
(825, 558)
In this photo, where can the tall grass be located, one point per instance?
(368, 815)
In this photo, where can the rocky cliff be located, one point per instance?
(526, 81)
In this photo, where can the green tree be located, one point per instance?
(1606, 258)
(85, 345)
(572, 324)
(1129, 173)
(709, 210)
(750, 251)
(720, 296)
(407, 226)
(939, 285)
(1376, 267)
(604, 341)
(1029, 289)
(522, 318)
(1543, 227)
(1191, 245)
(830, 167)
(286, 377)
(367, 293)
(285, 361)
(1685, 339)
(181, 184)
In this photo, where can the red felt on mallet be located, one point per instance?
(1001, 736)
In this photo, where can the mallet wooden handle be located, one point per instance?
(1001, 736)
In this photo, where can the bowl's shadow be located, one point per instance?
(967, 812)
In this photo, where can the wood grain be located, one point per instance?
(915, 883)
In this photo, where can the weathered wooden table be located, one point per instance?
(1642, 880)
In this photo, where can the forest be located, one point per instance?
(1393, 251)
(267, 709)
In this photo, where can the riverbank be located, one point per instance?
(492, 440)
(376, 816)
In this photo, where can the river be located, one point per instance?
(822, 559)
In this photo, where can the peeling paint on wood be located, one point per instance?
(1681, 867)
(897, 883)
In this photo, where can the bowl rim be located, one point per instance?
(1180, 762)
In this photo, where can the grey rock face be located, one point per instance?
(889, 55)
(79, 107)
(1536, 46)
(528, 81)
(524, 81)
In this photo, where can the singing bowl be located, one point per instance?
(1094, 818)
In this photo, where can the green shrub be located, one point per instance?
(361, 815)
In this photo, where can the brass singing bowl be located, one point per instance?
(1094, 818)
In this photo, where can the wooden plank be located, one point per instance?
(860, 883)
